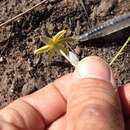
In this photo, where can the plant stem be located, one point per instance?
(120, 51)
(67, 58)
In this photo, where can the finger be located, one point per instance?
(7, 126)
(124, 93)
(39, 109)
(31, 107)
(93, 104)
(59, 124)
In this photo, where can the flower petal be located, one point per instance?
(42, 49)
(58, 36)
(46, 40)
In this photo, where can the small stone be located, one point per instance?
(105, 7)
(50, 27)
(11, 90)
(49, 7)
(1, 59)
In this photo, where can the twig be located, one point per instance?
(21, 14)
(120, 51)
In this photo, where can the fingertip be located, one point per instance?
(93, 95)
(94, 67)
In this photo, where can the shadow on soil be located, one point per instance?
(115, 39)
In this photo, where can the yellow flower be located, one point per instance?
(52, 45)
(55, 46)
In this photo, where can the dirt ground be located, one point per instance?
(22, 72)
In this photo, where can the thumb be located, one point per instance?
(93, 103)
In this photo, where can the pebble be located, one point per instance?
(1, 59)
(104, 8)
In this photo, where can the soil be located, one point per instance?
(22, 72)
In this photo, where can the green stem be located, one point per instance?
(120, 51)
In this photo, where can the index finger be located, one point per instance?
(39, 109)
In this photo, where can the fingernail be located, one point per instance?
(93, 67)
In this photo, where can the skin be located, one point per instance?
(83, 100)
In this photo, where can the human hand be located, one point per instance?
(83, 100)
